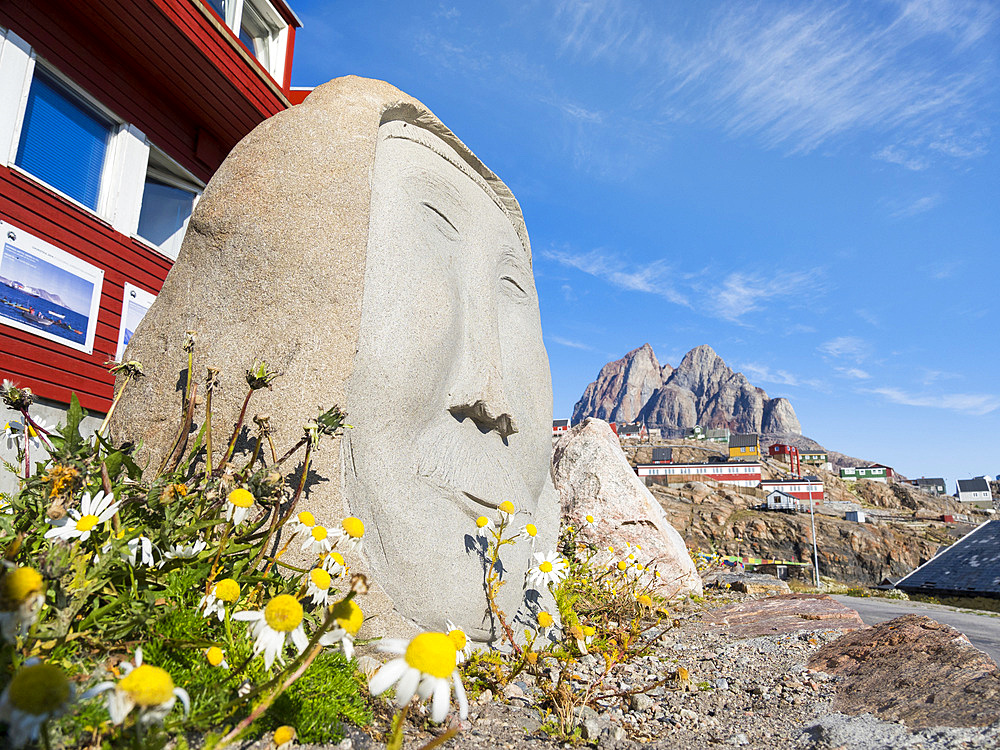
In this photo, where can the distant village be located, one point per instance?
(798, 491)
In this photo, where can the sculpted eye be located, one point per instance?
(442, 222)
(514, 277)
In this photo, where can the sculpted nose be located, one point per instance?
(477, 390)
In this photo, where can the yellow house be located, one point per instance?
(744, 446)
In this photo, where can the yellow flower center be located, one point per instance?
(227, 590)
(348, 615)
(432, 653)
(353, 527)
(306, 518)
(241, 498)
(622, 565)
(17, 585)
(590, 519)
(148, 685)
(545, 566)
(214, 655)
(38, 689)
(482, 521)
(283, 613)
(545, 620)
(638, 567)
(32, 432)
(459, 638)
(284, 734)
(530, 529)
(506, 506)
(319, 533)
(611, 549)
(87, 522)
(644, 600)
(589, 630)
(320, 578)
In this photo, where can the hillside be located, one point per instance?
(904, 531)
(701, 390)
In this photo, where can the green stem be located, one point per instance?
(275, 523)
(208, 436)
(236, 433)
(114, 403)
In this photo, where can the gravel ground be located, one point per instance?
(754, 693)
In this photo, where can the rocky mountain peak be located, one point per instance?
(702, 390)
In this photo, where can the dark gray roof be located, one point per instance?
(973, 485)
(742, 441)
(560, 423)
(663, 454)
(629, 429)
(969, 567)
(933, 481)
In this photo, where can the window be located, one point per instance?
(259, 27)
(168, 197)
(64, 141)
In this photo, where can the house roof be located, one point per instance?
(629, 429)
(971, 566)
(973, 485)
(929, 480)
(783, 494)
(560, 423)
(742, 441)
(663, 454)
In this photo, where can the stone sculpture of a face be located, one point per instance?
(356, 245)
(447, 397)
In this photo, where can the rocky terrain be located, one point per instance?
(904, 528)
(701, 390)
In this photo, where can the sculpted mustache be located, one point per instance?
(476, 468)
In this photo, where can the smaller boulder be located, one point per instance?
(593, 478)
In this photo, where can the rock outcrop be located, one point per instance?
(937, 677)
(593, 478)
(701, 390)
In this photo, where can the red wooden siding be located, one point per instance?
(50, 369)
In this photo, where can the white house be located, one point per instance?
(974, 491)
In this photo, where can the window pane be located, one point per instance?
(164, 214)
(63, 142)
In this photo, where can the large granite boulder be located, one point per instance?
(593, 478)
(359, 247)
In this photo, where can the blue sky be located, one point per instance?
(812, 189)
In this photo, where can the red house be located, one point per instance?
(787, 453)
(115, 114)
(559, 426)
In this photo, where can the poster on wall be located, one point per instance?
(46, 291)
(135, 303)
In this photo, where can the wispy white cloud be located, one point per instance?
(757, 372)
(653, 278)
(799, 76)
(919, 206)
(944, 269)
(932, 376)
(853, 372)
(571, 344)
(845, 347)
(968, 403)
(742, 293)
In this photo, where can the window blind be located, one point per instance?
(63, 142)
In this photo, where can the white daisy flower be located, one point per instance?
(589, 521)
(549, 568)
(138, 548)
(349, 618)
(426, 668)
(545, 623)
(528, 531)
(14, 431)
(483, 527)
(275, 625)
(302, 523)
(78, 524)
(148, 687)
(239, 503)
(334, 564)
(223, 592)
(37, 693)
(459, 638)
(506, 508)
(319, 586)
(317, 540)
(216, 657)
(351, 533)
(183, 551)
(22, 593)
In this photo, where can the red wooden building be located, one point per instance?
(115, 114)
(787, 453)
(804, 488)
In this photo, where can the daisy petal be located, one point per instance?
(387, 676)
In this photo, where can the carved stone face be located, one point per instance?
(450, 397)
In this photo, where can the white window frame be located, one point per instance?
(186, 181)
(277, 39)
(115, 189)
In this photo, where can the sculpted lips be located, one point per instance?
(471, 465)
